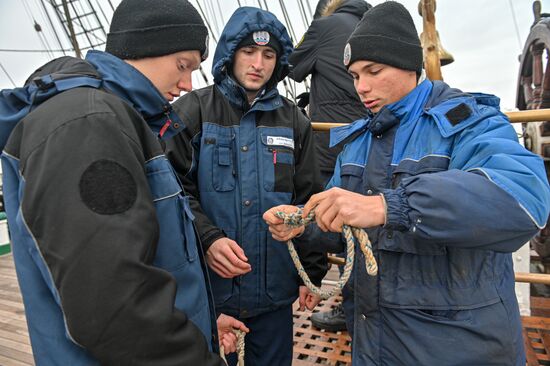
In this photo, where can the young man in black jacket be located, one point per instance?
(108, 262)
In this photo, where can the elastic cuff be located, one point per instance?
(385, 208)
(397, 209)
(209, 238)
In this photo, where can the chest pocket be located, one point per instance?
(177, 244)
(426, 165)
(278, 163)
(218, 162)
(401, 242)
(351, 177)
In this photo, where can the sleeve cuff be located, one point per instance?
(397, 209)
(210, 237)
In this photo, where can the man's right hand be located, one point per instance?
(227, 259)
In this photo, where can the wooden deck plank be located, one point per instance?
(15, 349)
(312, 346)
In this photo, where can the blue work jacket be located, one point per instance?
(462, 194)
(239, 159)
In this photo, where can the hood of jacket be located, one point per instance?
(244, 21)
(125, 81)
(356, 7)
(47, 81)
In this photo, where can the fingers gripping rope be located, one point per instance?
(350, 233)
(240, 347)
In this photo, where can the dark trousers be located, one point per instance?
(269, 341)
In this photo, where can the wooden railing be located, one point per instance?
(533, 115)
(520, 276)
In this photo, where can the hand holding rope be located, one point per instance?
(295, 219)
(240, 347)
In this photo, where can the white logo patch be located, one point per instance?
(347, 54)
(280, 141)
(261, 38)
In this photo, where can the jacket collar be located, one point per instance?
(125, 81)
(407, 108)
(236, 95)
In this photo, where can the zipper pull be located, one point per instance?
(274, 156)
(166, 125)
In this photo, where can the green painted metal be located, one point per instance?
(5, 249)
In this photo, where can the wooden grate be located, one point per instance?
(313, 346)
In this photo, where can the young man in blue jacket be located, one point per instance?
(245, 149)
(446, 194)
(106, 256)
(332, 99)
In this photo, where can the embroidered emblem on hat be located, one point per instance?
(347, 54)
(261, 38)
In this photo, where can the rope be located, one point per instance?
(240, 347)
(350, 233)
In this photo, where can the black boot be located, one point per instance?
(332, 321)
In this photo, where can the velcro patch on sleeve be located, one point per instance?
(458, 114)
(107, 187)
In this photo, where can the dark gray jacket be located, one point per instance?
(320, 54)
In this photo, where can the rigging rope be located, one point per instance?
(220, 11)
(309, 8)
(350, 233)
(41, 37)
(287, 21)
(209, 9)
(303, 14)
(206, 21)
(52, 27)
(8, 75)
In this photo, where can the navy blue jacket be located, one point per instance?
(239, 160)
(462, 194)
(103, 241)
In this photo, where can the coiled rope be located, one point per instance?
(295, 220)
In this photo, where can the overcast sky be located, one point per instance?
(485, 37)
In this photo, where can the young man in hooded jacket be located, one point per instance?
(244, 149)
(103, 242)
(332, 99)
(446, 194)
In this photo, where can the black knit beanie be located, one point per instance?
(151, 28)
(386, 34)
(261, 38)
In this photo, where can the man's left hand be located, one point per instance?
(336, 207)
(226, 337)
(277, 228)
(307, 299)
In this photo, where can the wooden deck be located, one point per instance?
(15, 349)
(312, 346)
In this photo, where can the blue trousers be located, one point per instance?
(269, 341)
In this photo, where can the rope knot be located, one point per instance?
(351, 234)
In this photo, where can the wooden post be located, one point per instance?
(429, 39)
(71, 29)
